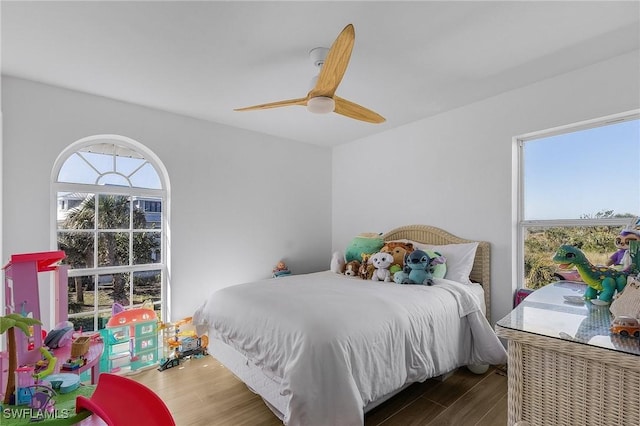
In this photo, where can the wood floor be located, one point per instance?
(203, 392)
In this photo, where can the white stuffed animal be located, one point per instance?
(337, 263)
(382, 262)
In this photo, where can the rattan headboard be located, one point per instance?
(481, 272)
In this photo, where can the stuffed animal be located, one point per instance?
(382, 262)
(621, 259)
(398, 250)
(368, 243)
(418, 268)
(366, 269)
(337, 263)
(351, 268)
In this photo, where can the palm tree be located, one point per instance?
(113, 247)
(8, 323)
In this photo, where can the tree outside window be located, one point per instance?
(578, 185)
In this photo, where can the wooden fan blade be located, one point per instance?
(335, 64)
(353, 110)
(288, 102)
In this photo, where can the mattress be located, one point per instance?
(321, 348)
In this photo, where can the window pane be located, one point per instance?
(113, 248)
(113, 179)
(113, 212)
(147, 213)
(580, 174)
(541, 243)
(78, 246)
(75, 210)
(76, 170)
(146, 177)
(80, 295)
(113, 288)
(147, 285)
(146, 247)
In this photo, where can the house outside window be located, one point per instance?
(577, 184)
(115, 247)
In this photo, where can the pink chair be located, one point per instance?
(120, 401)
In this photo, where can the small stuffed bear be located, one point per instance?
(417, 268)
(382, 262)
(351, 268)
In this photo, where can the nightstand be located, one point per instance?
(565, 368)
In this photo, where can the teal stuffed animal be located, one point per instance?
(418, 268)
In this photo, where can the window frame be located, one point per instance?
(132, 192)
(520, 224)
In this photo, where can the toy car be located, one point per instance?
(625, 326)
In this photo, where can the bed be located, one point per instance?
(323, 348)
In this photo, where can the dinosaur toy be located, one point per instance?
(603, 282)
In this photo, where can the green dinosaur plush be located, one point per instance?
(603, 282)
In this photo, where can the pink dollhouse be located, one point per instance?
(22, 296)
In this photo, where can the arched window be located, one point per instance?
(111, 222)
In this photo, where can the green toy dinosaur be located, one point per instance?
(603, 282)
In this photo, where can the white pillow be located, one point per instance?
(459, 258)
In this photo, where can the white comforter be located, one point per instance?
(337, 343)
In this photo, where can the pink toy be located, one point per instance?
(22, 295)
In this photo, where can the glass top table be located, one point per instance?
(558, 311)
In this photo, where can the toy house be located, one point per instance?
(131, 341)
(22, 296)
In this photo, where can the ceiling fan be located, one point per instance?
(321, 98)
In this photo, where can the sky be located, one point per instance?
(582, 173)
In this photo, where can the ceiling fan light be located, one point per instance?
(321, 105)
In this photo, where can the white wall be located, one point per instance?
(240, 200)
(454, 170)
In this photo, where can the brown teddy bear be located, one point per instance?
(398, 250)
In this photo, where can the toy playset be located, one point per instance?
(179, 341)
(25, 366)
(131, 341)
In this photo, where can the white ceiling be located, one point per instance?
(411, 59)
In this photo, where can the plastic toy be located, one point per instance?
(22, 296)
(46, 366)
(417, 268)
(625, 326)
(41, 402)
(281, 270)
(131, 340)
(24, 381)
(181, 341)
(64, 382)
(602, 282)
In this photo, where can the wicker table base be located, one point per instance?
(558, 380)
